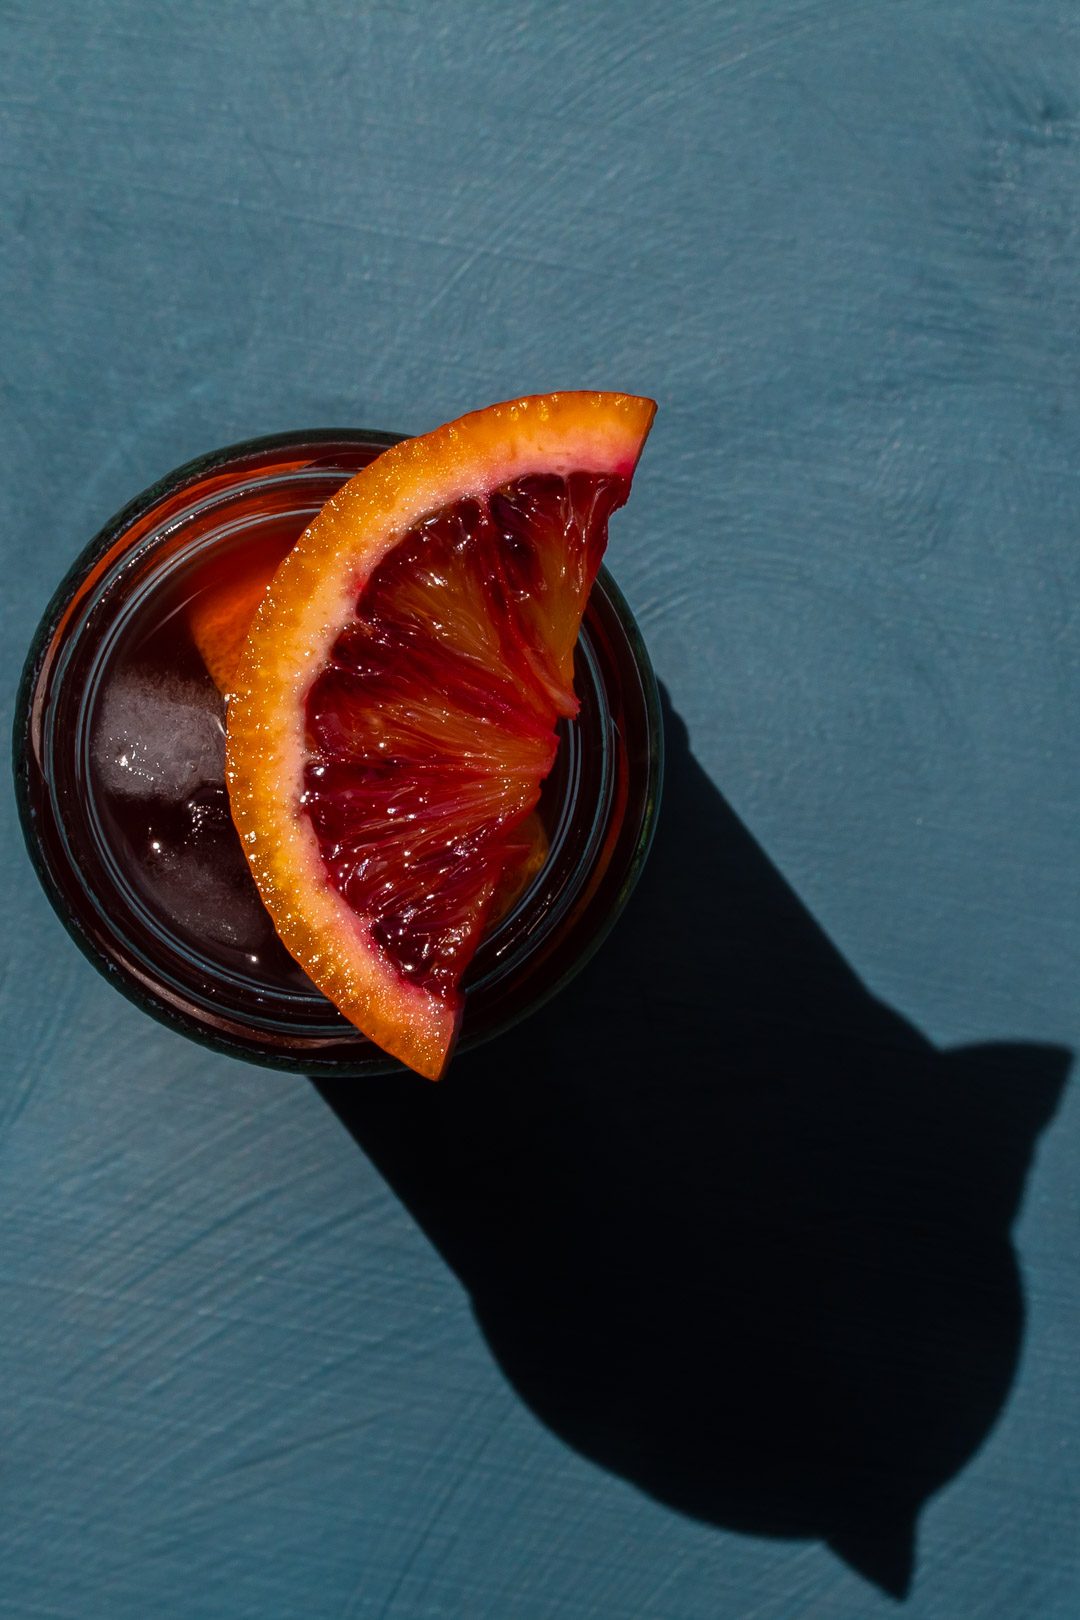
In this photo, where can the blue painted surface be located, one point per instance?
(250, 1368)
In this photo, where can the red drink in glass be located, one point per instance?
(119, 755)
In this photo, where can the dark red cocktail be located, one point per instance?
(119, 753)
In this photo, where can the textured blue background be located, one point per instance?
(840, 243)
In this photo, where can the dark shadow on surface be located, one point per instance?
(732, 1227)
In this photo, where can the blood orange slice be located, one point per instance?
(396, 699)
(220, 618)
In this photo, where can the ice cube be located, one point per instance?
(159, 736)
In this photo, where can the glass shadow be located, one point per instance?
(733, 1228)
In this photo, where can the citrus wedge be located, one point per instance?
(220, 618)
(394, 707)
